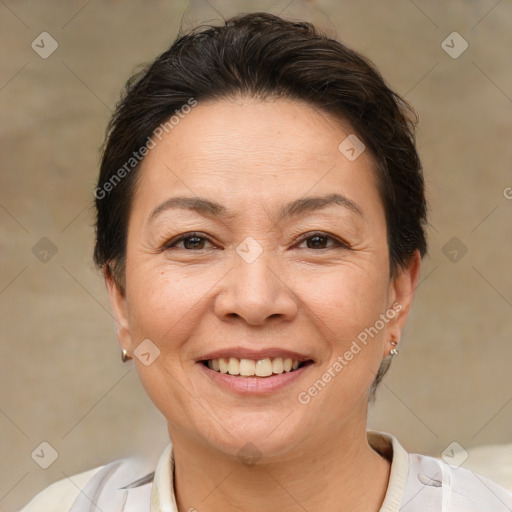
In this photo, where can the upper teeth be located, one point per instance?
(247, 367)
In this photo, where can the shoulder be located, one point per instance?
(60, 496)
(421, 483)
(455, 489)
(494, 461)
(108, 485)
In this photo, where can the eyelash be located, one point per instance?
(340, 244)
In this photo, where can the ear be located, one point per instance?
(401, 293)
(119, 308)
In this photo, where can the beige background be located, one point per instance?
(61, 377)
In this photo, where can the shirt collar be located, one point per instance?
(162, 492)
(389, 447)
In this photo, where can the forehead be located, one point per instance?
(260, 129)
(249, 148)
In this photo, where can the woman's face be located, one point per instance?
(291, 262)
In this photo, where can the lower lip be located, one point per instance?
(254, 385)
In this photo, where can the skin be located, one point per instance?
(253, 156)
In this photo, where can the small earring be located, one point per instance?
(394, 351)
(124, 356)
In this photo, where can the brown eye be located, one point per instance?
(321, 241)
(191, 241)
(317, 242)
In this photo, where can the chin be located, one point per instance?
(257, 435)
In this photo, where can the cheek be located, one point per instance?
(162, 303)
(346, 307)
(347, 311)
(169, 392)
(346, 299)
(166, 307)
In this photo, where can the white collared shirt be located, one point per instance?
(417, 483)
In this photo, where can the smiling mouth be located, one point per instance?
(254, 368)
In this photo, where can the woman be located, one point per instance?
(260, 228)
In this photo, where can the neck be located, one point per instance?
(344, 473)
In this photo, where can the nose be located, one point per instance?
(256, 291)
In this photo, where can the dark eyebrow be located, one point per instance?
(297, 208)
(305, 205)
(198, 204)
